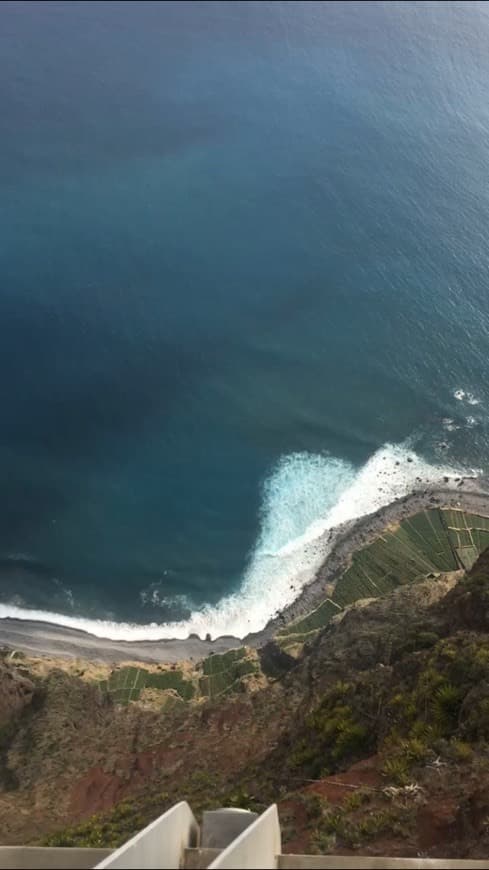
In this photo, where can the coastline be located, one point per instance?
(465, 493)
(48, 639)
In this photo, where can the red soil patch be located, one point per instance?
(95, 792)
(364, 774)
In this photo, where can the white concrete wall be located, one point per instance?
(257, 848)
(160, 845)
(50, 857)
(348, 862)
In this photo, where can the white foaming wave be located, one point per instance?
(449, 424)
(305, 498)
(464, 396)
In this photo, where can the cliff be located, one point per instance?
(375, 736)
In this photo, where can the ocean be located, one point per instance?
(244, 294)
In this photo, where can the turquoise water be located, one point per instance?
(243, 246)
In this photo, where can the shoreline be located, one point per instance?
(49, 639)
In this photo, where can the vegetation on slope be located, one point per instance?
(376, 737)
(222, 674)
(420, 710)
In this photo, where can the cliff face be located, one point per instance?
(16, 693)
(375, 738)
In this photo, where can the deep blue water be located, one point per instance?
(230, 233)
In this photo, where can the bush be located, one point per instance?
(334, 735)
(396, 768)
(446, 706)
(460, 751)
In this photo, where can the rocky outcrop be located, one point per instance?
(16, 693)
(380, 630)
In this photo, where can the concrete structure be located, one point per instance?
(257, 846)
(221, 827)
(161, 844)
(347, 862)
(174, 841)
(50, 858)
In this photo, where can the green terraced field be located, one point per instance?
(419, 546)
(125, 684)
(431, 542)
(286, 642)
(314, 620)
(222, 661)
(223, 672)
(467, 556)
(171, 680)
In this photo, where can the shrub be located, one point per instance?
(446, 706)
(396, 768)
(334, 735)
(460, 751)
(356, 799)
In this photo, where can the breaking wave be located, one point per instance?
(304, 500)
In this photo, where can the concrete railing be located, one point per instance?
(347, 862)
(49, 857)
(257, 847)
(161, 845)
(170, 842)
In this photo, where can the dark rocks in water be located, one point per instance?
(410, 459)
(443, 445)
(447, 479)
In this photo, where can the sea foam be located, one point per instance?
(464, 396)
(304, 500)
